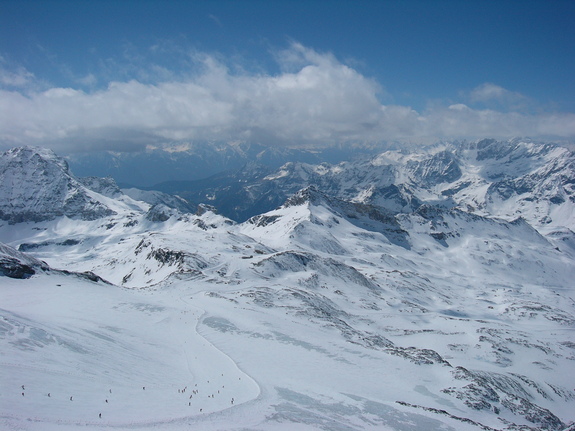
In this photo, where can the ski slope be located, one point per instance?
(82, 349)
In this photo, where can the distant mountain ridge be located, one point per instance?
(491, 178)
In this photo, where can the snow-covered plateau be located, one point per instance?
(405, 291)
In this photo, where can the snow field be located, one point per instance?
(99, 343)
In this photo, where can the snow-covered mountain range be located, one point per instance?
(517, 178)
(428, 290)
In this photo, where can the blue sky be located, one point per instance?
(95, 74)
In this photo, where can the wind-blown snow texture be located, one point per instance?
(428, 291)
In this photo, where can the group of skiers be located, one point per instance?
(194, 392)
(49, 394)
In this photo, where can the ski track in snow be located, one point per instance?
(208, 383)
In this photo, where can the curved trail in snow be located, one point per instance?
(247, 380)
(180, 377)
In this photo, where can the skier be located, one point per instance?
(100, 415)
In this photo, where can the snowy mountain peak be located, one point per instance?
(29, 154)
(311, 195)
(37, 185)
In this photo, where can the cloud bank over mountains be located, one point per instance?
(314, 99)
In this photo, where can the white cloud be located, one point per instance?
(18, 77)
(314, 100)
(488, 91)
(494, 96)
(215, 19)
(90, 80)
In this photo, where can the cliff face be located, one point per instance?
(36, 185)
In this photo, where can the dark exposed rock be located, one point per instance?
(418, 356)
(446, 413)
(167, 257)
(490, 391)
(159, 213)
(36, 245)
(543, 418)
(15, 264)
(440, 168)
(263, 220)
(14, 269)
(86, 275)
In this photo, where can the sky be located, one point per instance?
(123, 75)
